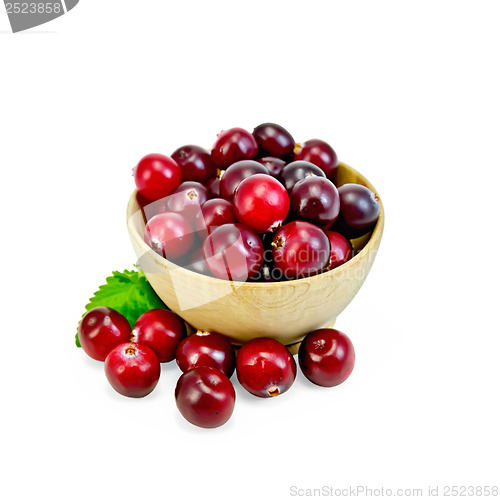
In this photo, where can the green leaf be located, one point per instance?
(129, 293)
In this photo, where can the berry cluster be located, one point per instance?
(258, 207)
(204, 394)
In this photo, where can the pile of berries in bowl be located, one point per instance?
(204, 394)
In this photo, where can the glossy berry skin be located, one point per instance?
(198, 264)
(214, 213)
(261, 202)
(234, 145)
(205, 397)
(161, 331)
(274, 165)
(236, 173)
(340, 250)
(321, 154)
(273, 139)
(169, 234)
(156, 176)
(214, 187)
(133, 370)
(315, 199)
(297, 171)
(300, 249)
(233, 252)
(206, 349)
(265, 367)
(359, 208)
(188, 198)
(326, 357)
(101, 330)
(196, 163)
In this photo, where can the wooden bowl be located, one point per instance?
(286, 311)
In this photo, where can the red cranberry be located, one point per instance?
(359, 209)
(215, 212)
(234, 252)
(236, 173)
(321, 154)
(198, 264)
(132, 369)
(297, 171)
(161, 331)
(156, 176)
(196, 163)
(274, 165)
(206, 349)
(300, 249)
(265, 367)
(214, 187)
(261, 202)
(326, 357)
(101, 330)
(205, 397)
(188, 199)
(340, 250)
(273, 139)
(234, 145)
(169, 234)
(151, 208)
(315, 199)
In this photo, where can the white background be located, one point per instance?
(406, 92)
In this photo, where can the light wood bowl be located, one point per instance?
(286, 311)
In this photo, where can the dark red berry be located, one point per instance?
(234, 145)
(101, 330)
(214, 213)
(265, 367)
(340, 250)
(156, 176)
(261, 202)
(161, 331)
(300, 249)
(188, 199)
(132, 369)
(234, 252)
(274, 165)
(169, 234)
(151, 208)
(359, 209)
(214, 187)
(236, 173)
(297, 171)
(205, 397)
(196, 163)
(315, 199)
(206, 349)
(273, 139)
(321, 154)
(326, 357)
(198, 264)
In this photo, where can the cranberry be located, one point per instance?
(261, 202)
(206, 349)
(340, 250)
(196, 163)
(160, 330)
(214, 187)
(101, 330)
(215, 212)
(156, 176)
(188, 199)
(359, 209)
(326, 357)
(300, 249)
(234, 252)
(297, 171)
(132, 369)
(274, 165)
(169, 234)
(321, 154)
(234, 145)
(151, 208)
(198, 264)
(273, 139)
(265, 367)
(315, 199)
(205, 397)
(236, 173)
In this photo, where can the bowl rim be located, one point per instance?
(372, 244)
